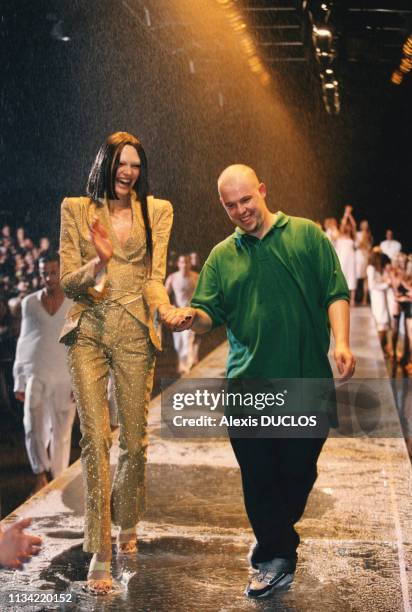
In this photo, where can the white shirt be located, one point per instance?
(38, 350)
(390, 248)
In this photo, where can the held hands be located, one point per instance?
(17, 546)
(345, 361)
(177, 319)
(101, 241)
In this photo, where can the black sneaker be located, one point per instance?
(272, 575)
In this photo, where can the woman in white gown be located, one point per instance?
(364, 243)
(399, 306)
(345, 248)
(378, 291)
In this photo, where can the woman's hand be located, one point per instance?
(177, 319)
(101, 241)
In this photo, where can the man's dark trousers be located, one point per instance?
(277, 477)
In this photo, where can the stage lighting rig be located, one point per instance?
(405, 65)
(320, 18)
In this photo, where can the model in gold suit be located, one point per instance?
(113, 247)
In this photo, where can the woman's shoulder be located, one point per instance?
(77, 202)
(160, 211)
(159, 204)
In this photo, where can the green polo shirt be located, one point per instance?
(272, 294)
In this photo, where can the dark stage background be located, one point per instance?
(179, 81)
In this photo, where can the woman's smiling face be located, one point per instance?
(127, 171)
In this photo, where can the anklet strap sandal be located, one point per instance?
(99, 579)
(126, 541)
(99, 570)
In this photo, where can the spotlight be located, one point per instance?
(58, 31)
(406, 63)
(330, 92)
(249, 49)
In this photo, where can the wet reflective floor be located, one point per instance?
(356, 547)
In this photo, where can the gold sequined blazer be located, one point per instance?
(128, 281)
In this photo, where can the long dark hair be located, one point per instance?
(377, 260)
(103, 172)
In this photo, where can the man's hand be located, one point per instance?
(101, 241)
(177, 319)
(345, 361)
(338, 313)
(16, 546)
(20, 396)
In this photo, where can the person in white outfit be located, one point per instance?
(41, 375)
(181, 285)
(331, 229)
(390, 246)
(378, 283)
(345, 249)
(364, 242)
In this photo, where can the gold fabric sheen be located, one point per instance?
(110, 339)
(112, 332)
(140, 291)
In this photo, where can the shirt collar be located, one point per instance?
(280, 221)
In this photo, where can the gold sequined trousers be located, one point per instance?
(108, 340)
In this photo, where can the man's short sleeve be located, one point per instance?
(208, 294)
(333, 283)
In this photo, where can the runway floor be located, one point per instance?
(356, 549)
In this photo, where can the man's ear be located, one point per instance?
(262, 190)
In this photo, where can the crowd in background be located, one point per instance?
(19, 255)
(379, 273)
(19, 276)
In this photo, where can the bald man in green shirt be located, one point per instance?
(277, 285)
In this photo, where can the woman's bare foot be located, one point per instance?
(99, 579)
(126, 542)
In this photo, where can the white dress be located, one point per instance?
(361, 257)
(378, 291)
(345, 248)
